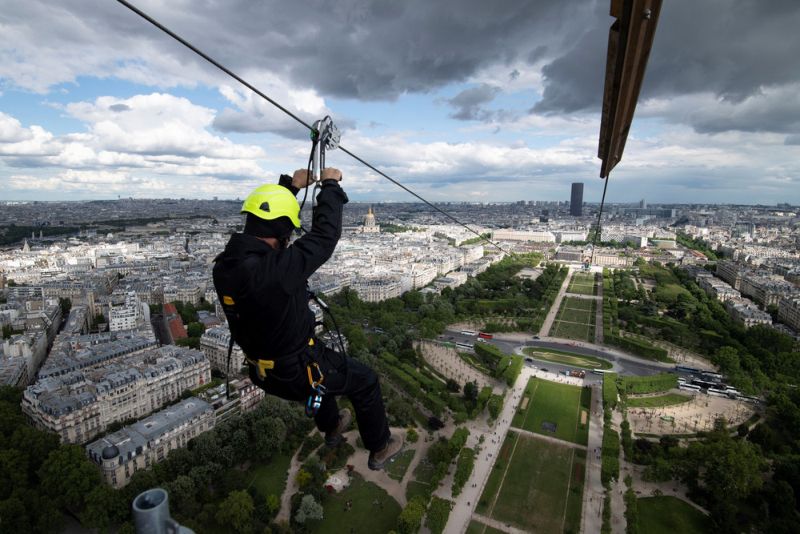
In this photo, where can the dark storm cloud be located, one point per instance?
(731, 48)
(366, 49)
(469, 102)
(773, 111)
(378, 50)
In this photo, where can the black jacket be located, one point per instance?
(267, 303)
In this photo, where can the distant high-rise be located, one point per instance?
(576, 200)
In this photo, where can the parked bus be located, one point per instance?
(468, 333)
(484, 335)
(601, 371)
(465, 346)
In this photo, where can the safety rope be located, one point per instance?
(242, 81)
(597, 229)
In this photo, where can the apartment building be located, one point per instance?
(79, 405)
(149, 441)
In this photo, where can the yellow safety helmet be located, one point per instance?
(271, 201)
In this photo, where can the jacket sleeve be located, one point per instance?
(313, 249)
(286, 181)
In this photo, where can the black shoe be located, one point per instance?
(379, 458)
(334, 438)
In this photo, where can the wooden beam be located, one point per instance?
(630, 39)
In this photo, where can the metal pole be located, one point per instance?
(151, 514)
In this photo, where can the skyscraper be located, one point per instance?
(576, 200)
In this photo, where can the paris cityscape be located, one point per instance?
(399, 267)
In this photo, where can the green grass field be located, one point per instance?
(398, 466)
(271, 478)
(573, 304)
(668, 515)
(365, 516)
(578, 332)
(575, 360)
(581, 284)
(575, 320)
(572, 518)
(656, 402)
(556, 403)
(531, 490)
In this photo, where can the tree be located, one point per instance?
(205, 446)
(273, 504)
(104, 508)
(471, 391)
(182, 495)
(453, 386)
(269, 437)
(13, 472)
(195, 329)
(66, 305)
(7, 331)
(438, 512)
(14, 516)
(237, 511)
(303, 478)
(68, 477)
(410, 518)
(309, 509)
(190, 342)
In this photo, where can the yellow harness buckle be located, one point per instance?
(262, 366)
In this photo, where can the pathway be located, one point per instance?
(498, 525)
(551, 315)
(618, 521)
(396, 489)
(593, 493)
(493, 439)
(550, 439)
(648, 489)
(581, 296)
(291, 486)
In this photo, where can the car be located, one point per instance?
(535, 337)
(481, 340)
(545, 369)
(529, 360)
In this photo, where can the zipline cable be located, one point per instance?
(599, 214)
(242, 81)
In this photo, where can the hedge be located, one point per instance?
(464, 466)
(610, 390)
(495, 405)
(637, 347)
(513, 371)
(609, 466)
(488, 351)
(648, 384)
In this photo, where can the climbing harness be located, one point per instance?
(315, 379)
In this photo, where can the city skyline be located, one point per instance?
(508, 110)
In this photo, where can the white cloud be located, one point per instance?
(159, 132)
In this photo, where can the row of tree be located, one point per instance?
(749, 479)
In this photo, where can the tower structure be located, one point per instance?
(576, 200)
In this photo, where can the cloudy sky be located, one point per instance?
(458, 99)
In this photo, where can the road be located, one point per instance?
(622, 363)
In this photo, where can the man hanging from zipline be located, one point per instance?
(261, 281)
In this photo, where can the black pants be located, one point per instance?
(343, 376)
